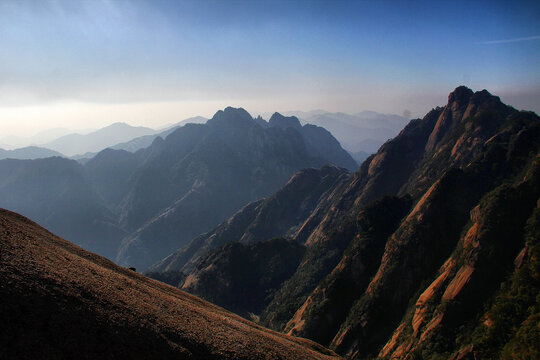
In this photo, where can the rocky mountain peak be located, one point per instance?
(231, 116)
(464, 104)
(461, 95)
(259, 120)
(485, 98)
(284, 121)
(465, 101)
(230, 113)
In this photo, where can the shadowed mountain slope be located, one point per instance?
(56, 192)
(242, 277)
(319, 141)
(201, 174)
(279, 215)
(62, 302)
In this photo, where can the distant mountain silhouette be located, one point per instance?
(146, 140)
(74, 144)
(56, 192)
(191, 120)
(28, 153)
(137, 207)
(360, 156)
(429, 250)
(62, 302)
(365, 131)
(318, 141)
(141, 142)
(42, 137)
(201, 174)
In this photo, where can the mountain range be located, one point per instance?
(74, 144)
(29, 152)
(201, 174)
(85, 144)
(429, 250)
(139, 207)
(42, 137)
(141, 142)
(361, 134)
(144, 141)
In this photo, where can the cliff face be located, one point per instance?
(403, 258)
(498, 232)
(475, 186)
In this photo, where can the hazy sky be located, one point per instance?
(83, 64)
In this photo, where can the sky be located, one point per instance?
(87, 64)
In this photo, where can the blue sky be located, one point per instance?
(83, 64)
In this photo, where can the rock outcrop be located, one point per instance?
(472, 172)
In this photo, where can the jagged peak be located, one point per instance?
(284, 121)
(259, 120)
(483, 96)
(461, 95)
(230, 113)
(463, 104)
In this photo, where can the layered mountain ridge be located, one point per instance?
(362, 132)
(429, 250)
(74, 144)
(139, 207)
(403, 257)
(281, 214)
(28, 153)
(211, 171)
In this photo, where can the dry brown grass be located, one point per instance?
(60, 301)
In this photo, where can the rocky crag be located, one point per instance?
(429, 250)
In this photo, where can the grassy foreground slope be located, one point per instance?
(60, 301)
